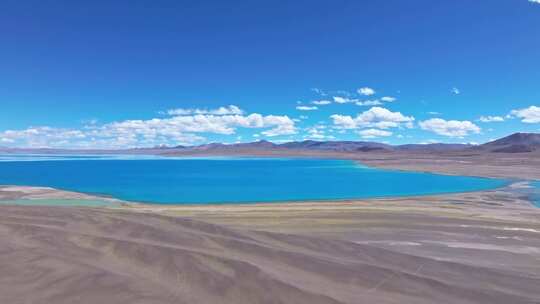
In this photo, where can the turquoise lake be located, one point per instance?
(226, 180)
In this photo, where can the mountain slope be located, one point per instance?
(515, 143)
(337, 146)
(433, 147)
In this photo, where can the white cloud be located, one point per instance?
(317, 132)
(374, 133)
(388, 99)
(434, 113)
(491, 119)
(7, 140)
(382, 116)
(40, 136)
(375, 117)
(375, 102)
(180, 129)
(366, 91)
(358, 102)
(456, 91)
(321, 102)
(223, 124)
(339, 99)
(306, 108)
(535, 1)
(451, 128)
(528, 115)
(344, 121)
(281, 125)
(228, 110)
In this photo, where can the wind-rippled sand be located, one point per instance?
(447, 249)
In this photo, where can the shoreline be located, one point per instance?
(510, 203)
(77, 199)
(51, 193)
(507, 180)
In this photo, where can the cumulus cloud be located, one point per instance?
(217, 124)
(306, 108)
(317, 132)
(358, 102)
(344, 121)
(343, 100)
(456, 91)
(388, 99)
(451, 128)
(181, 129)
(339, 99)
(374, 133)
(41, 136)
(376, 117)
(374, 102)
(535, 1)
(321, 102)
(228, 110)
(491, 119)
(383, 118)
(528, 115)
(281, 125)
(366, 91)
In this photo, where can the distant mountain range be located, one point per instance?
(515, 143)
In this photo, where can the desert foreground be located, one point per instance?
(481, 247)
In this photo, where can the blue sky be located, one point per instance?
(144, 73)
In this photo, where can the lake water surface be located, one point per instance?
(226, 180)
